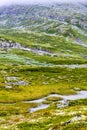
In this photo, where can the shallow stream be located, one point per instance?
(62, 103)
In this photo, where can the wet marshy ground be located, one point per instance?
(63, 102)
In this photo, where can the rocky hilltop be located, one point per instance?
(43, 16)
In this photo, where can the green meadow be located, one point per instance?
(26, 76)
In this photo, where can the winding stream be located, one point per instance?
(62, 103)
(40, 107)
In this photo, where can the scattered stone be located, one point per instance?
(11, 78)
(76, 118)
(63, 103)
(8, 87)
(10, 45)
(67, 122)
(14, 81)
(45, 83)
(21, 83)
(77, 89)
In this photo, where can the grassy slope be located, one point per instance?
(42, 79)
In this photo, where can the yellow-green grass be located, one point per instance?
(42, 81)
(45, 119)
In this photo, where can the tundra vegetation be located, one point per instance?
(43, 52)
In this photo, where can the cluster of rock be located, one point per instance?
(74, 119)
(34, 15)
(14, 81)
(9, 44)
(82, 24)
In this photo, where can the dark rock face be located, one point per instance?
(76, 118)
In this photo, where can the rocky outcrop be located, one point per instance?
(9, 44)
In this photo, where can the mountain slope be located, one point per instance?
(43, 67)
